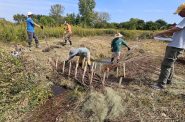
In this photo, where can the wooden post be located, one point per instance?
(76, 68)
(63, 68)
(100, 67)
(83, 62)
(95, 65)
(92, 72)
(69, 69)
(120, 81)
(85, 69)
(103, 81)
(56, 64)
(117, 71)
(108, 72)
(124, 73)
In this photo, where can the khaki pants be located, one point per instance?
(116, 55)
(67, 38)
(167, 66)
(87, 59)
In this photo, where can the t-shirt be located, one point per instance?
(79, 52)
(30, 24)
(117, 44)
(69, 28)
(178, 39)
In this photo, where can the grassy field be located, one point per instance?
(26, 93)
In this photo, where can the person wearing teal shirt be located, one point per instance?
(116, 46)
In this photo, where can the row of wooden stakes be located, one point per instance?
(105, 70)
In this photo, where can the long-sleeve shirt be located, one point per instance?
(117, 43)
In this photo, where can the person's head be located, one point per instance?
(181, 10)
(72, 50)
(118, 35)
(29, 14)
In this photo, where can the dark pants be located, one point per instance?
(32, 35)
(67, 38)
(167, 66)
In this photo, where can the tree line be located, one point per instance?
(87, 17)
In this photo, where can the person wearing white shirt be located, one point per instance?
(173, 50)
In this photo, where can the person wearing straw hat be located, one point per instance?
(116, 45)
(173, 50)
(31, 31)
(68, 33)
(82, 52)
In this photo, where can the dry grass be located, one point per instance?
(136, 102)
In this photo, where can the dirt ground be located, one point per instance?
(142, 70)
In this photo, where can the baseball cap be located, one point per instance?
(180, 8)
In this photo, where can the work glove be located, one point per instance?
(128, 48)
(41, 27)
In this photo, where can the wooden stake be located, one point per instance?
(76, 68)
(117, 71)
(124, 73)
(95, 65)
(100, 67)
(92, 72)
(83, 63)
(63, 68)
(69, 69)
(120, 81)
(103, 81)
(85, 69)
(56, 64)
(108, 72)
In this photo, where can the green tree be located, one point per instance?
(19, 18)
(47, 21)
(86, 9)
(151, 26)
(71, 18)
(56, 11)
(162, 24)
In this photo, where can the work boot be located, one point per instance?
(38, 46)
(158, 86)
(169, 82)
(70, 42)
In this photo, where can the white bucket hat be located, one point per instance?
(29, 13)
(118, 35)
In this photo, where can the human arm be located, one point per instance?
(125, 44)
(173, 29)
(169, 32)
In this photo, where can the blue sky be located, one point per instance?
(119, 10)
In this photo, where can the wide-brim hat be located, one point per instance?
(180, 8)
(118, 35)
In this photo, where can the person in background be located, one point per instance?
(116, 45)
(68, 33)
(173, 50)
(31, 30)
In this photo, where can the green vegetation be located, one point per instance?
(21, 90)
(11, 32)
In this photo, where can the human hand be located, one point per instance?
(129, 48)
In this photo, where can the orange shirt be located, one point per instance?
(68, 29)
